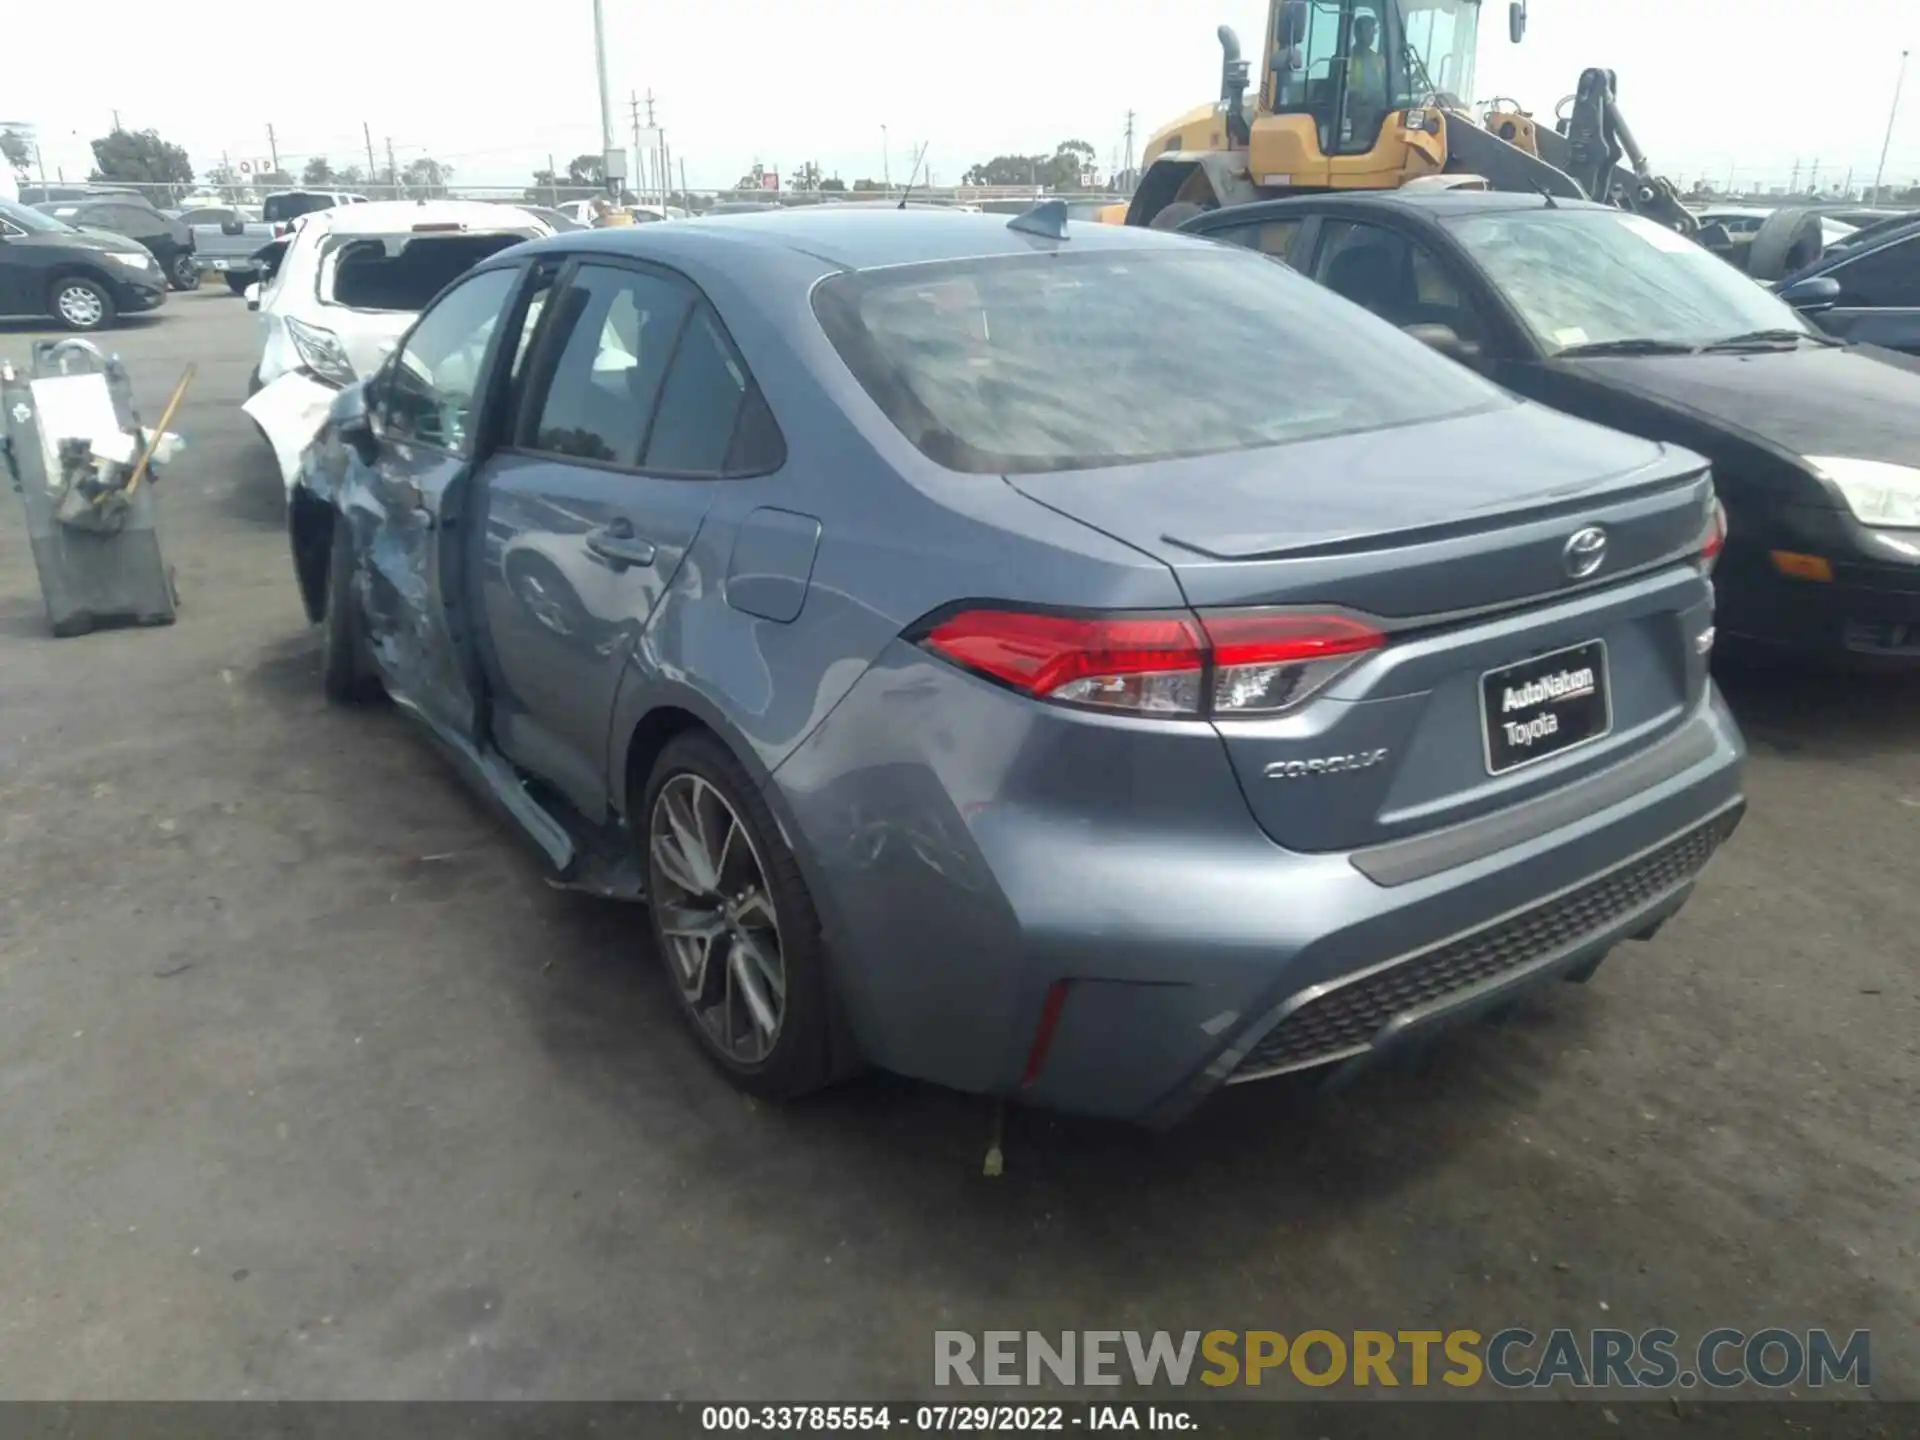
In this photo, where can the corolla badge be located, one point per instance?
(1324, 765)
(1585, 552)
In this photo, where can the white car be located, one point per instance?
(347, 289)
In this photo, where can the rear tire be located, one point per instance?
(183, 274)
(81, 304)
(1173, 216)
(345, 675)
(733, 922)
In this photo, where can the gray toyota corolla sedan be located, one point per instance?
(1062, 661)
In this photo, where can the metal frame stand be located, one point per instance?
(90, 577)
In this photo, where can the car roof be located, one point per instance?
(398, 217)
(860, 237)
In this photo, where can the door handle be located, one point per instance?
(616, 543)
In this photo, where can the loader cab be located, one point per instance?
(1350, 64)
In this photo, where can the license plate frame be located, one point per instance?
(1499, 758)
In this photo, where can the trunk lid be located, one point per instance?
(1454, 538)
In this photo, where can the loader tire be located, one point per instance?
(1791, 239)
(1176, 214)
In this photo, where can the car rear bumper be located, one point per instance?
(1191, 951)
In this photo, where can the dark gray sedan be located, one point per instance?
(1066, 662)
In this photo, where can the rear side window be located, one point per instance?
(399, 272)
(700, 404)
(616, 331)
(1062, 362)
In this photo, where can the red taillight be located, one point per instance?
(1145, 663)
(1268, 661)
(1716, 540)
(1260, 661)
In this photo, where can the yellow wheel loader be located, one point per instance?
(1365, 95)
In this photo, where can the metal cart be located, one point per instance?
(93, 537)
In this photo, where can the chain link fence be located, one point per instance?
(1003, 198)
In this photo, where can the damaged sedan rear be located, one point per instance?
(350, 282)
(1074, 663)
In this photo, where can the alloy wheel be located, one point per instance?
(80, 307)
(717, 919)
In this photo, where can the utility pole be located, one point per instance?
(1813, 180)
(1847, 193)
(607, 175)
(886, 159)
(273, 149)
(685, 194)
(638, 164)
(659, 151)
(226, 169)
(116, 120)
(372, 169)
(393, 171)
(1793, 185)
(1892, 115)
(40, 160)
(1128, 171)
(553, 182)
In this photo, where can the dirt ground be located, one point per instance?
(311, 1087)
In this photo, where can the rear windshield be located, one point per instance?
(400, 272)
(278, 209)
(1066, 362)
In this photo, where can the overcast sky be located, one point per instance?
(492, 90)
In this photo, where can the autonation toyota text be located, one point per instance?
(1512, 1358)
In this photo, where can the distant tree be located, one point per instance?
(866, 186)
(754, 179)
(139, 155)
(1077, 154)
(1070, 167)
(318, 172)
(426, 176)
(223, 176)
(808, 177)
(835, 184)
(587, 170)
(274, 179)
(14, 149)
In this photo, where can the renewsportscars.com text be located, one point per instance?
(1514, 1358)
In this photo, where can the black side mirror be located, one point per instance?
(1444, 340)
(1517, 21)
(1816, 292)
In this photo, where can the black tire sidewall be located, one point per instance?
(1181, 211)
(801, 1057)
(343, 672)
(108, 310)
